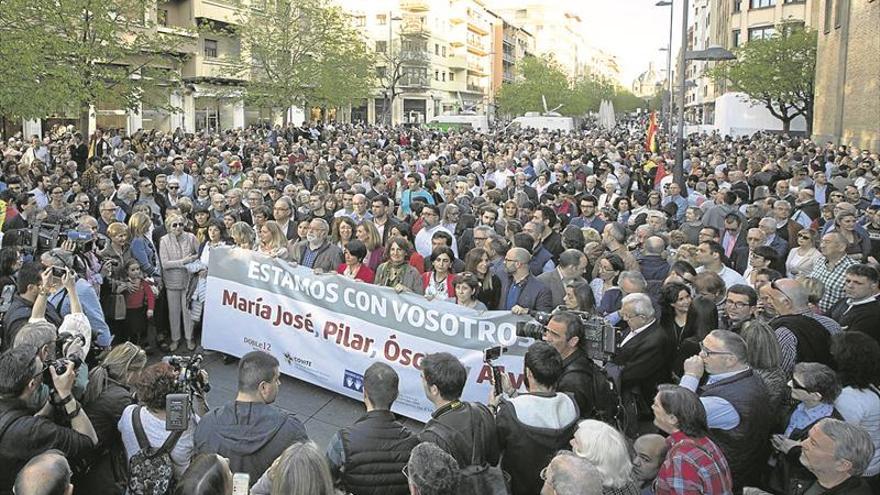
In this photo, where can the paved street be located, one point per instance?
(322, 411)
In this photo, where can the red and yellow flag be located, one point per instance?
(651, 141)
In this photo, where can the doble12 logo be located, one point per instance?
(353, 381)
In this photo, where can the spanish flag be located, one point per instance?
(651, 141)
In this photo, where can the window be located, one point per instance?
(735, 41)
(443, 76)
(381, 19)
(380, 72)
(381, 46)
(436, 48)
(443, 50)
(210, 48)
(360, 21)
(436, 75)
(737, 5)
(794, 1)
(760, 4)
(452, 77)
(761, 33)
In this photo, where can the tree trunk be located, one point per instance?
(786, 124)
(84, 122)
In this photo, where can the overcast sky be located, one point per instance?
(631, 29)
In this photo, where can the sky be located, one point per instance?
(633, 30)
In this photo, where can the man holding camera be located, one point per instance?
(24, 434)
(565, 333)
(533, 426)
(250, 432)
(31, 284)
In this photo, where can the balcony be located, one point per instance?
(508, 57)
(215, 10)
(479, 26)
(413, 82)
(415, 57)
(457, 62)
(476, 47)
(476, 68)
(415, 5)
(473, 88)
(414, 26)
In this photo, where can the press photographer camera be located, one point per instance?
(599, 341)
(45, 236)
(192, 383)
(567, 331)
(68, 352)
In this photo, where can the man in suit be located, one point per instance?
(780, 245)
(786, 228)
(740, 259)
(283, 213)
(859, 311)
(734, 236)
(520, 186)
(381, 219)
(520, 291)
(571, 264)
(641, 361)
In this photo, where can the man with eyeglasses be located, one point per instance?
(831, 268)
(282, 211)
(739, 307)
(521, 292)
(735, 400)
(184, 180)
(316, 251)
(431, 224)
(24, 434)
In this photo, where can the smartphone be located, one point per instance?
(493, 353)
(58, 271)
(240, 483)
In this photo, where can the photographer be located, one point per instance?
(106, 397)
(565, 332)
(30, 286)
(151, 386)
(533, 426)
(24, 434)
(61, 299)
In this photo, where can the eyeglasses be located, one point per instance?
(173, 187)
(793, 383)
(176, 225)
(737, 304)
(804, 237)
(405, 471)
(708, 352)
(774, 286)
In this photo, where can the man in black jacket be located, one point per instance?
(465, 430)
(33, 280)
(533, 426)
(250, 432)
(369, 455)
(565, 333)
(859, 311)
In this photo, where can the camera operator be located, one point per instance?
(565, 332)
(151, 386)
(533, 426)
(88, 298)
(31, 284)
(106, 397)
(250, 432)
(24, 434)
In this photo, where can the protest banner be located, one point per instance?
(327, 329)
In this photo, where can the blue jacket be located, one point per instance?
(91, 306)
(534, 295)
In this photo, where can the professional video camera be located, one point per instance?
(600, 339)
(190, 381)
(45, 236)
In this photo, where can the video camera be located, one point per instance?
(190, 381)
(44, 236)
(600, 338)
(489, 356)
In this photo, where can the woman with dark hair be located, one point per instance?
(814, 387)
(682, 272)
(396, 272)
(578, 295)
(573, 238)
(622, 205)
(402, 229)
(675, 301)
(761, 258)
(207, 474)
(702, 318)
(354, 268)
(857, 360)
(343, 231)
(10, 262)
(604, 286)
(151, 386)
(477, 262)
(467, 288)
(438, 282)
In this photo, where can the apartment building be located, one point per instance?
(728, 24)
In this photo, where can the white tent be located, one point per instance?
(606, 115)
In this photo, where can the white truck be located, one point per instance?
(535, 120)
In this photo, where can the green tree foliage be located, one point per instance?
(778, 72)
(294, 52)
(543, 76)
(65, 55)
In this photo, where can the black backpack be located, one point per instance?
(150, 470)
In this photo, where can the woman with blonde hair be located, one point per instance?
(606, 448)
(273, 242)
(142, 247)
(302, 469)
(107, 395)
(367, 233)
(242, 235)
(113, 258)
(177, 249)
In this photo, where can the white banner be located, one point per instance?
(327, 329)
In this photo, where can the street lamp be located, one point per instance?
(665, 3)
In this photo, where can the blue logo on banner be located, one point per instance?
(353, 381)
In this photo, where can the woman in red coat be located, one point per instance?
(354, 267)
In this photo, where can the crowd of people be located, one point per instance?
(744, 297)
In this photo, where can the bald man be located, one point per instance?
(521, 292)
(650, 451)
(45, 474)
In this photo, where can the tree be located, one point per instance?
(538, 77)
(777, 71)
(404, 52)
(293, 52)
(75, 54)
